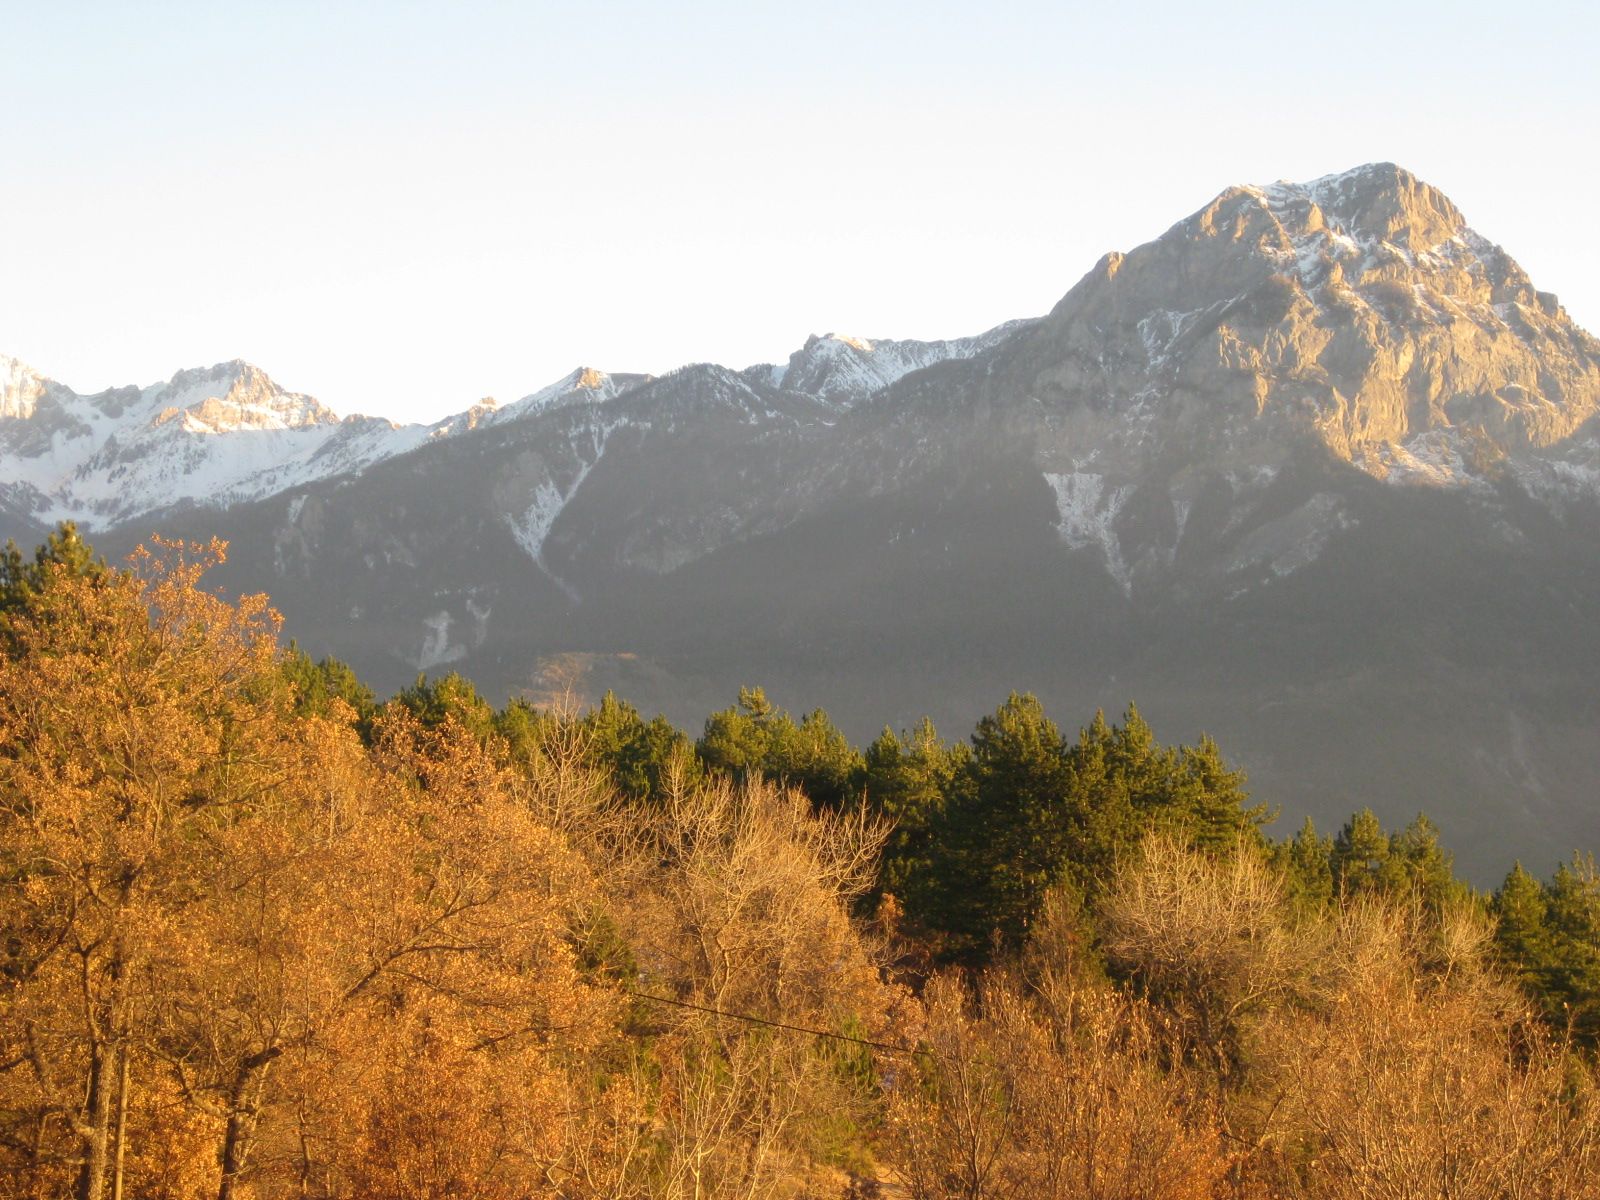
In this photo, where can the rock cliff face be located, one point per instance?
(1359, 307)
(1357, 314)
(1317, 470)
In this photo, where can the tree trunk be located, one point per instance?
(91, 1182)
(122, 1127)
(244, 1104)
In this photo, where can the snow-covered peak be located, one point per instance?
(481, 413)
(581, 385)
(708, 390)
(829, 340)
(232, 396)
(209, 435)
(844, 370)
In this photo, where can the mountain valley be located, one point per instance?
(1316, 471)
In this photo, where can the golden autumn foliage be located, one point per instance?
(255, 948)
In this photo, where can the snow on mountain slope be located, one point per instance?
(844, 370)
(228, 434)
(213, 435)
(208, 436)
(584, 385)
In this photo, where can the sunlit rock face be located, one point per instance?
(1357, 314)
(1359, 308)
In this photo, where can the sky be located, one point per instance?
(400, 208)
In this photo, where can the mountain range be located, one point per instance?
(1316, 471)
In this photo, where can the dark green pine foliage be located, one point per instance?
(1031, 811)
(1007, 830)
(450, 696)
(1126, 784)
(1573, 900)
(1411, 864)
(1548, 935)
(318, 684)
(64, 553)
(908, 778)
(1360, 860)
(524, 727)
(755, 737)
(819, 759)
(1115, 792)
(1307, 866)
(1522, 936)
(738, 740)
(1215, 805)
(639, 754)
(1423, 868)
(911, 780)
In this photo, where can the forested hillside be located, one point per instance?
(262, 935)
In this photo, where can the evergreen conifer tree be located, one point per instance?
(1361, 856)
(1306, 861)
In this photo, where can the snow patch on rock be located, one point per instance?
(436, 648)
(1430, 459)
(844, 370)
(1086, 515)
(531, 526)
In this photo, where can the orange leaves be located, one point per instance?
(305, 946)
(1061, 1091)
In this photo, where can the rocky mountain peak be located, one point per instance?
(843, 370)
(233, 396)
(1358, 309)
(1382, 202)
(20, 388)
(581, 384)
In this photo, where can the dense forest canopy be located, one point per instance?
(264, 935)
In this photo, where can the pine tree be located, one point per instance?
(1219, 813)
(754, 737)
(634, 751)
(1573, 900)
(816, 757)
(64, 555)
(1361, 856)
(1306, 862)
(1522, 935)
(1109, 785)
(909, 779)
(738, 740)
(1423, 867)
(1003, 838)
(318, 684)
(451, 696)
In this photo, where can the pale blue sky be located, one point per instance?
(402, 207)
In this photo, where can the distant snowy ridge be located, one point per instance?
(214, 436)
(229, 434)
(583, 385)
(844, 370)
